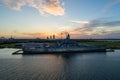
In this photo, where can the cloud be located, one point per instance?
(112, 23)
(38, 34)
(109, 5)
(14, 4)
(79, 22)
(98, 23)
(53, 7)
(32, 34)
(97, 28)
(114, 35)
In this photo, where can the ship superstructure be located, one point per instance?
(64, 46)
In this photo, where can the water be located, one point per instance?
(85, 66)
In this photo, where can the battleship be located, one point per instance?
(66, 45)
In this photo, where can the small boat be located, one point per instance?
(64, 46)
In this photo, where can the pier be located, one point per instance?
(18, 52)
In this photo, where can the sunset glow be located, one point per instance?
(44, 18)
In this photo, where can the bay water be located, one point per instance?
(80, 66)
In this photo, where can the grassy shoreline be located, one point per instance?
(113, 45)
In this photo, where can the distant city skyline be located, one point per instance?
(42, 18)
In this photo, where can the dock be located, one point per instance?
(18, 52)
(109, 50)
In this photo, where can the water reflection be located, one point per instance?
(65, 66)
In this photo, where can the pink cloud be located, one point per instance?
(53, 7)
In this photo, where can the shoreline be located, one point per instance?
(109, 45)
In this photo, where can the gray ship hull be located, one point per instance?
(63, 51)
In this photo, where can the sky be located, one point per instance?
(42, 18)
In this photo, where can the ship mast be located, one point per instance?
(68, 36)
